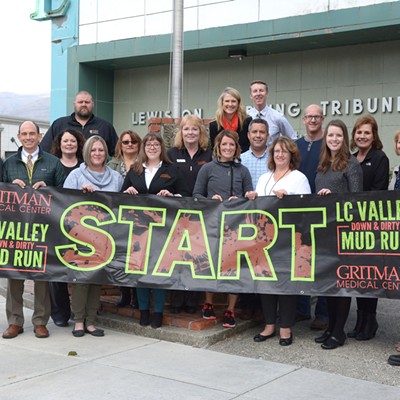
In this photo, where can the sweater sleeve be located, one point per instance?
(72, 181)
(200, 187)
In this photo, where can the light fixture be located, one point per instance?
(238, 54)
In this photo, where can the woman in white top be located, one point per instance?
(282, 179)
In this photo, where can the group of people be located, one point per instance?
(244, 156)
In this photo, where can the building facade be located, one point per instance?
(342, 54)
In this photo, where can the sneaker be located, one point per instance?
(229, 319)
(208, 311)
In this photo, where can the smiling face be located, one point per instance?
(97, 155)
(152, 149)
(281, 157)
(334, 139)
(364, 137)
(227, 149)
(229, 105)
(258, 137)
(29, 136)
(68, 144)
(190, 134)
(313, 120)
(259, 95)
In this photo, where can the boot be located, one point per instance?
(125, 298)
(360, 323)
(370, 328)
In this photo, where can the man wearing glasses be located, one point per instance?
(82, 119)
(277, 123)
(310, 148)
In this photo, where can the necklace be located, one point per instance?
(266, 185)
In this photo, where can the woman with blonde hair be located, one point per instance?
(189, 155)
(231, 116)
(92, 175)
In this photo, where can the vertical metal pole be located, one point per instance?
(177, 61)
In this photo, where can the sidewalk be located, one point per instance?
(138, 367)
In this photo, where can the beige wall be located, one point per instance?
(363, 71)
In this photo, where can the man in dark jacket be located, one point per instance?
(82, 119)
(30, 167)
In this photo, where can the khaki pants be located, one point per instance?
(15, 303)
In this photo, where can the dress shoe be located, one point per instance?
(261, 338)
(286, 341)
(12, 331)
(394, 359)
(144, 318)
(41, 331)
(157, 320)
(78, 332)
(96, 332)
(333, 343)
(61, 324)
(323, 338)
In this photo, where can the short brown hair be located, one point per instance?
(367, 120)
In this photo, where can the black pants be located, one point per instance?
(59, 297)
(287, 309)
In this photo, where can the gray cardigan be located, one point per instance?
(226, 179)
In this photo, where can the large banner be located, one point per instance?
(337, 245)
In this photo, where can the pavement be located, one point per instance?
(122, 364)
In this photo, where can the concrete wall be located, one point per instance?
(300, 78)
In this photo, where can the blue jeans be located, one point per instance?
(303, 307)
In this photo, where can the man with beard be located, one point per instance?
(277, 122)
(82, 119)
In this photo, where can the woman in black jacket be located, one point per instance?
(231, 116)
(375, 166)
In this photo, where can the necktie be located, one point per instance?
(29, 164)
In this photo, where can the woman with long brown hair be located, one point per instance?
(338, 172)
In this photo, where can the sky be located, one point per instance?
(25, 49)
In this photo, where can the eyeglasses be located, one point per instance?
(281, 152)
(311, 117)
(155, 145)
(126, 142)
